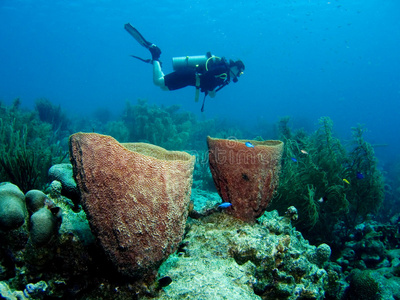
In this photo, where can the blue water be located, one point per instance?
(305, 59)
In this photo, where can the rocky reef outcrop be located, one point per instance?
(231, 259)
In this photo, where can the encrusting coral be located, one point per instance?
(136, 197)
(245, 176)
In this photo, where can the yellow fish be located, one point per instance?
(304, 152)
(345, 180)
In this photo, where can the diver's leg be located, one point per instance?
(158, 75)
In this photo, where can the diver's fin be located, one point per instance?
(149, 61)
(137, 35)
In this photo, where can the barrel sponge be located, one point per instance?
(245, 176)
(43, 226)
(136, 197)
(35, 200)
(12, 206)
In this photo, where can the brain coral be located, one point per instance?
(245, 176)
(43, 226)
(12, 206)
(136, 197)
(35, 200)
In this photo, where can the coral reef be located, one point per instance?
(245, 176)
(369, 245)
(331, 192)
(136, 197)
(231, 259)
(41, 260)
(220, 257)
(364, 286)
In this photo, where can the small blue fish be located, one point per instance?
(295, 160)
(360, 175)
(225, 205)
(248, 144)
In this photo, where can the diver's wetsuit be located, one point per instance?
(180, 78)
(209, 80)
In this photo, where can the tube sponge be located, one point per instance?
(12, 206)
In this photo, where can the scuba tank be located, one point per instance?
(193, 61)
(201, 63)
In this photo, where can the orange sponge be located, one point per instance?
(246, 174)
(136, 197)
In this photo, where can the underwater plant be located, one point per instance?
(392, 189)
(161, 126)
(367, 187)
(52, 114)
(326, 182)
(17, 162)
(26, 150)
(171, 128)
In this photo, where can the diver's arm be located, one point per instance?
(158, 75)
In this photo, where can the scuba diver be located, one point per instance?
(207, 73)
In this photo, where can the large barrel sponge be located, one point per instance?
(136, 197)
(12, 206)
(245, 176)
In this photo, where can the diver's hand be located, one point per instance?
(211, 93)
